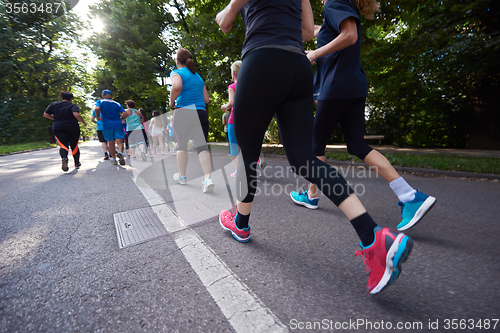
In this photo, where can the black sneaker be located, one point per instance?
(121, 158)
(65, 164)
(106, 156)
(78, 165)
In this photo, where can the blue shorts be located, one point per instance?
(113, 134)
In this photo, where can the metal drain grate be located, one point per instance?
(138, 226)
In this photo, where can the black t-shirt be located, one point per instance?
(339, 74)
(272, 22)
(63, 114)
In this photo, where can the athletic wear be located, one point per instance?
(134, 122)
(383, 258)
(227, 222)
(64, 165)
(98, 122)
(413, 211)
(339, 74)
(350, 113)
(302, 198)
(121, 158)
(186, 122)
(178, 178)
(233, 87)
(402, 189)
(208, 186)
(286, 94)
(114, 134)
(275, 22)
(191, 95)
(110, 114)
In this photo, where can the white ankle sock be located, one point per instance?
(402, 189)
(309, 196)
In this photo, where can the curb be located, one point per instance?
(418, 171)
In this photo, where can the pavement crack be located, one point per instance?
(71, 236)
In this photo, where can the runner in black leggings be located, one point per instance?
(276, 78)
(66, 116)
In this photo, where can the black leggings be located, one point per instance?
(350, 113)
(186, 122)
(66, 138)
(278, 82)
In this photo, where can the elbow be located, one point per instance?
(307, 34)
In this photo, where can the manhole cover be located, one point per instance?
(138, 226)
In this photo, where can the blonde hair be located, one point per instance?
(367, 7)
(235, 67)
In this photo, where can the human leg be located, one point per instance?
(63, 139)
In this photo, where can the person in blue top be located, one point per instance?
(135, 130)
(189, 97)
(111, 112)
(341, 90)
(276, 79)
(100, 136)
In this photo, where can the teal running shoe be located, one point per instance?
(414, 210)
(301, 198)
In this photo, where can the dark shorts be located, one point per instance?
(100, 136)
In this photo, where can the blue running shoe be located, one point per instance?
(301, 198)
(414, 210)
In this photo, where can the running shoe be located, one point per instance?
(78, 165)
(413, 211)
(144, 157)
(234, 174)
(106, 156)
(178, 178)
(384, 257)
(121, 158)
(113, 161)
(208, 185)
(301, 198)
(262, 161)
(65, 164)
(227, 221)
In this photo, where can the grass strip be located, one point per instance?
(490, 165)
(7, 149)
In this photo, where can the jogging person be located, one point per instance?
(156, 126)
(276, 79)
(65, 128)
(110, 112)
(189, 97)
(233, 144)
(225, 118)
(341, 94)
(100, 136)
(135, 130)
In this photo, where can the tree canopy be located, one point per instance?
(432, 66)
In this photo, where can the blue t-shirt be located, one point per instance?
(272, 22)
(98, 122)
(110, 114)
(192, 90)
(339, 74)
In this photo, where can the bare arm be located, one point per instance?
(98, 112)
(307, 21)
(229, 104)
(78, 116)
(206, 98)
(226, 17)
(176, 89)
(348, 36)
(48, 116)
(317, 28)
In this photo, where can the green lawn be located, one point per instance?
(6, 149)
(438, 162)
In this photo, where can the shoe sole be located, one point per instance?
(420, 213)
(238, 238)
(121, 158)
(65, 165)
(304, 203)
(209, 188)
(397, 255)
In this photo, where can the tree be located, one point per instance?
(36, 64)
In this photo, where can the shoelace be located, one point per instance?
(365, 256)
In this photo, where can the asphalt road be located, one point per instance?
(62, 270)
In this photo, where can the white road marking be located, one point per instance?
(244, 310)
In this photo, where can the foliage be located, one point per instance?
(36, 64)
